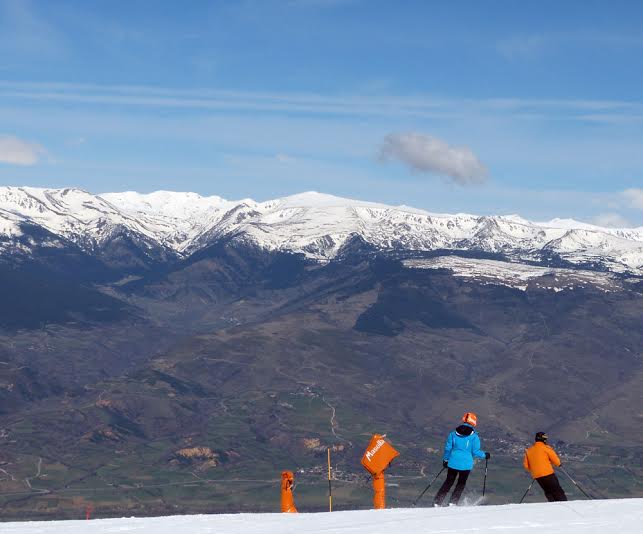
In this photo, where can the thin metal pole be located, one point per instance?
(430, 484)
(528, 489)
(330, 487)
(576, 484)
(484, 484)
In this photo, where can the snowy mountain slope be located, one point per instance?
(314, 224)
(519, 276)
(84, 219)
(9, 230)
(573, 517)
(174, 218)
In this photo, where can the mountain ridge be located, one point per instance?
(167, 224)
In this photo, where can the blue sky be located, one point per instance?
(533, 108)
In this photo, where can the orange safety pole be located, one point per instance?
(330, 488)
(287, 500)
(379, 491)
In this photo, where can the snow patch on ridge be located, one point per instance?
(9, 226)
(517, 275)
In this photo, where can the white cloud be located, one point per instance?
(18, 152)
(284, 158)
(428, 154)
(611, 220)
(634, 198)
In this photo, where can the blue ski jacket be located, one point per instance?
(460, 448)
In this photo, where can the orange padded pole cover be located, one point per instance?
(379, 491)
(287, 500)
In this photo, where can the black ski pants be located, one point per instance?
(446, 486)
(551, 487)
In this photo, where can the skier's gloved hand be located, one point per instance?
(445, 463)
(487, 455)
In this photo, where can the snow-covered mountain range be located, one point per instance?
(314, 224)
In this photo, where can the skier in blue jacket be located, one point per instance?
(462, 445)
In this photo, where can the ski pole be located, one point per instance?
(528, 489)
(427, 488)
(576, 483)
(484, 484)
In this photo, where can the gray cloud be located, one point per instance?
(18, 152)
(427, 154)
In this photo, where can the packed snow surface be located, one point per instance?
(573, 517)
(313, 224)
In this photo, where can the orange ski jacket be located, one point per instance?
(539, 458)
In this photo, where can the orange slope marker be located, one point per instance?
(376, 459)
(287, 500)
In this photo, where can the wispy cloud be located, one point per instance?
(427, 154)
(209, 100)
(521, 46)
(15, 151)
(344, 105)
(322, 3)
(634, 198)
(284, 158)
(529, 45)
(24, 32)
(610, 220)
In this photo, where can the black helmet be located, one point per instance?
(541, 436)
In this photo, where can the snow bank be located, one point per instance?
(575, 517)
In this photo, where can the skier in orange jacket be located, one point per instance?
(539, 461)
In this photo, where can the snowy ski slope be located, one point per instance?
(574, 517)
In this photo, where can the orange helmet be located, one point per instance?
(470, 418)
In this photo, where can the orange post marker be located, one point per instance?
(379, 491)
(287, 500)
(376, 459)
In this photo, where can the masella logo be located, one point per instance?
(377, 447)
